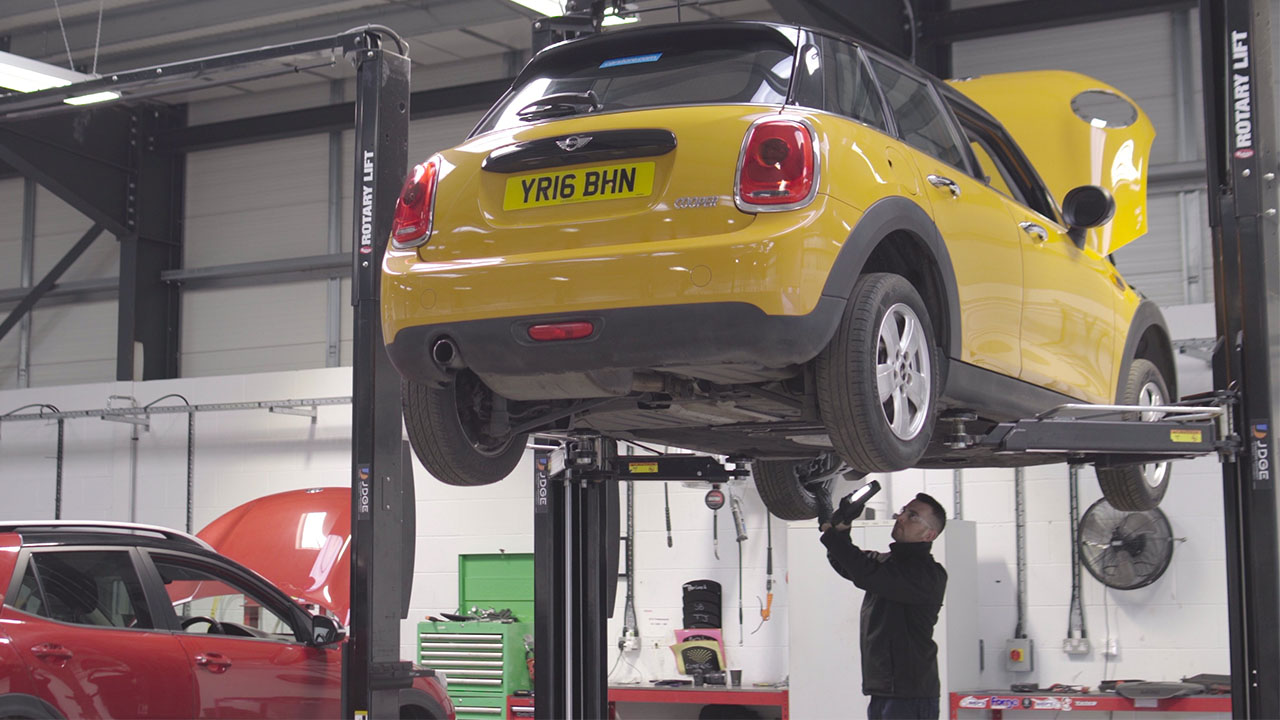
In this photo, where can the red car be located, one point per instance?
(119, 620)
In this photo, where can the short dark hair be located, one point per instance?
(936, 507)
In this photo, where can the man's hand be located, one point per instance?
(848, 511)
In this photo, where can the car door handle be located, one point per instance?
(946, 182)
(1036, 232)
(51, 651)
(213, 662)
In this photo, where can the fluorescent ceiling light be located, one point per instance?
(27, 75)
(91, 98)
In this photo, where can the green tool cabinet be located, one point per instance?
(484, 660)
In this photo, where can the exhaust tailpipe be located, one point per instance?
(445, 354)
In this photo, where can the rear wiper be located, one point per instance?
(559, 104)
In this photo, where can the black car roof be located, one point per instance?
(632, 34)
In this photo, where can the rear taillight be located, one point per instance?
(778, 167)
(412, 224)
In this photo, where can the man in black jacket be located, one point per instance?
(904, 589)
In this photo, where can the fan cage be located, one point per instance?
(1125, 550)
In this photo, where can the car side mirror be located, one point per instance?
(325, 630)
(1084, 207)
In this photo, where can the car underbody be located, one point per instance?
(694, 409)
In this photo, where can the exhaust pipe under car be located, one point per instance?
(445, 354)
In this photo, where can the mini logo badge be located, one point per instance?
(573, 142)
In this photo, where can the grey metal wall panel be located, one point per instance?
(11, 232)
(9, 361)
(253, 329)
(263, 201)
(73, 344)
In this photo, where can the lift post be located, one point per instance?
(576, 543)
(1240, 154)
(382, 476)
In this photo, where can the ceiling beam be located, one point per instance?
(136, 37)
(1025, 15)
(329, 118)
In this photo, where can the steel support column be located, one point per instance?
(26, 277)
(1240, 149)
(148, 309)
(382, 478)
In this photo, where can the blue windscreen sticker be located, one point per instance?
(632, 60)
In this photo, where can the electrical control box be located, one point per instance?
(1019, 655)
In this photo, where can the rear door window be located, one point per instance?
(922, 122)
(850, 91)
(679, 66)
(84, 587)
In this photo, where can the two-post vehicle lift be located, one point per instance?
(576, 509)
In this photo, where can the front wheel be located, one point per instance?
(457, 432)
(878, 377)
(1135, 488)
(794, 489)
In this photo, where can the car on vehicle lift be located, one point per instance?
(121, 620)
(770, 242)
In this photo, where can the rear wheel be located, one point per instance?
(459, 432)
(1139, 487)
(878, 377)
(793, 489)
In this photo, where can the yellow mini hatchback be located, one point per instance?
(767, 242)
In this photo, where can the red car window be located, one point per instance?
(85, 587)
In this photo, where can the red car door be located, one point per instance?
(81, 624)
(242, 645)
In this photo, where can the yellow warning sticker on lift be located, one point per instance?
(1185, 436)
(642, 467)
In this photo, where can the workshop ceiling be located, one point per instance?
(107, 36)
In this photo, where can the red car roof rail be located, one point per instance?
(127, 528)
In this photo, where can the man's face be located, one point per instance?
(915, 523)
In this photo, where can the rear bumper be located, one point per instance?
(666, 337)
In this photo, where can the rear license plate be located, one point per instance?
(579, 185)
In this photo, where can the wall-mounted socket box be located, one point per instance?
(1019, 655)
(1076, 646)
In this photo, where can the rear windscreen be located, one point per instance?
(686, 65)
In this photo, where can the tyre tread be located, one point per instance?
(444, 451)
(1125, 487)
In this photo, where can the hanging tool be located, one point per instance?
(666, 502)
(740, 526)
(768, 569)
(766, 606)
(715, 500)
